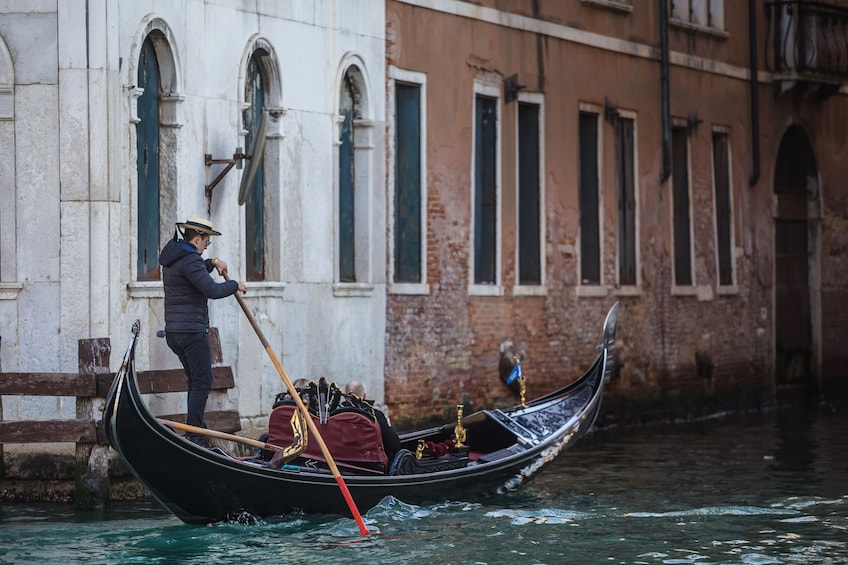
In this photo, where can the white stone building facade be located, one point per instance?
(70, 218)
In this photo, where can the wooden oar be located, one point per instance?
(220, 435)
(247, 441)
(305, 411)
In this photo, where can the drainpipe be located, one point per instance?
(666, 129)
(665, 173)
(755, 100)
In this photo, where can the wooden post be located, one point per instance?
(215, 347)
(92, 473)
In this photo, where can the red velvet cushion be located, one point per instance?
(350, 436)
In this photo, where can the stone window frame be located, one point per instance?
(364, 132)
(535, 289)
(585, 288)
(170, 122)
(732, 288)
(680, 126)
(485, 88)
(635, 288)
(9, 287)
(420, 80)
(275, 236)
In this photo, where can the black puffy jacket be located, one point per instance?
(188, 286)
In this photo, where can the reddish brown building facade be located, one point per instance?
(548, 158)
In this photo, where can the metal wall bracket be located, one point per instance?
(512, 88)
(237, 159)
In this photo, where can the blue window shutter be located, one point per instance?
(347, 244)
(255, 203)
(147, 164)
(407, 228)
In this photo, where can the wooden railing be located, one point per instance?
(92, 384)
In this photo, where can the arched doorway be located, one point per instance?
(796, 191)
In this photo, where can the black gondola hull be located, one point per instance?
(200, 486)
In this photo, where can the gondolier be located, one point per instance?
(188, 286)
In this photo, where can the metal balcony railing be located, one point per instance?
(807, 40)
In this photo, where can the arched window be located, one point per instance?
(147, 145)
(357, 220)
(254, 97)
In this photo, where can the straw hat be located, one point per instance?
(199, 225)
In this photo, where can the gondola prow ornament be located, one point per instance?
(459, 432)
(518, 375)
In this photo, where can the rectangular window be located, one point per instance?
(682, 222)
(590, 232)
(485, 190)
(408, 216)
(529, 201)
(723, 208)
(626, 199)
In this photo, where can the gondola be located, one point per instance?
(503, 449)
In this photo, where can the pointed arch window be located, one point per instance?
(357, 221)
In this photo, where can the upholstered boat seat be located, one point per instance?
(352, 436)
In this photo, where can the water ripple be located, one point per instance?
(714, 511)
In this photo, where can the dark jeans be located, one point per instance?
(196, 357)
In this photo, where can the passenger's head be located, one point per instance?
(355, 387)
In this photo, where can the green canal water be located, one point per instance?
(767, 488)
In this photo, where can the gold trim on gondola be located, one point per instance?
(299, 441)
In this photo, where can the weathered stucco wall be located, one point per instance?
(67, 247)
